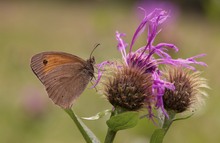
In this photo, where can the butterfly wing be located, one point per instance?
(62, 74)
(65, 83)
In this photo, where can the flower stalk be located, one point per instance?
(110, 136)
(120, 119)
(159, 134)
(85, 131)
(168, 121)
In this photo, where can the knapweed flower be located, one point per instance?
(188, 93)
(137, 81)
(128, 88)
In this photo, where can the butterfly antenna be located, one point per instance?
(96, 45)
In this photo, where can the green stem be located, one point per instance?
(85, 131)
(168, 121)
(159, 134)
(110, 136)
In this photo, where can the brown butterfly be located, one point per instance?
(64, 75)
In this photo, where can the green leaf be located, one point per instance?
(123, 121)
(98, 115)
(183, 118)
(158, 136)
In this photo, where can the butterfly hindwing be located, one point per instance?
(64, 88)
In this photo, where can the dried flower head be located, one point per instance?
(188, 93)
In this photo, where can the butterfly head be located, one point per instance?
(90, 66)
(91, 62)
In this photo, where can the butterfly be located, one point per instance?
(65, 76)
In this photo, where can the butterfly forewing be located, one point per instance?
(44, 62)
(62, 74)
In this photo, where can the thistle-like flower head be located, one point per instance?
(128, 88)
(188, 93)
(137, 81)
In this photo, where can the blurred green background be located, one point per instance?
(29, 27)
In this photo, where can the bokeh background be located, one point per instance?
(28, 27)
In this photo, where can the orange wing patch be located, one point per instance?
(43, 63)
(52, 61)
